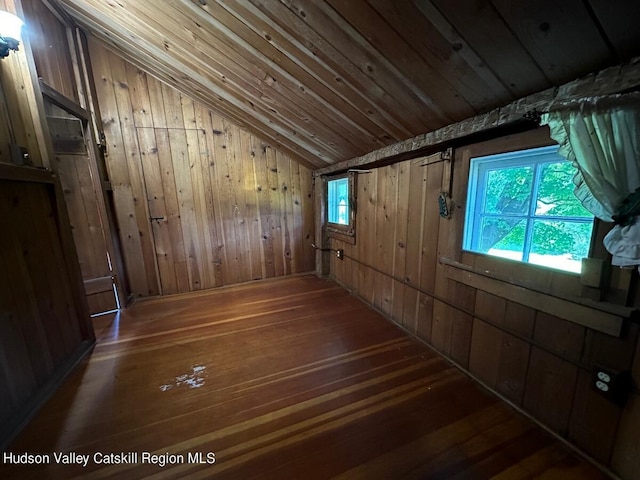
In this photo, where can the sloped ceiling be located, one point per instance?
(330, 80)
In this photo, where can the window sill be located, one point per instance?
(349, 238)
(603, 317)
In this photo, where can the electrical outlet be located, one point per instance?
(19, 155)
(340, 254)
(613, 385)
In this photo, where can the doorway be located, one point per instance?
(75, 165)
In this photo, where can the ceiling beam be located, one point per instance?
(229, 106)
(609, 81)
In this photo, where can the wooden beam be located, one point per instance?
(580, 313)
(611, 80)
(343, 119)
(321, 237)
(231, 103)
(25, 174)
(62, 16)
(63, 102)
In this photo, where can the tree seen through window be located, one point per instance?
(521, 206)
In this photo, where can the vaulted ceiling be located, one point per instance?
(330, 80)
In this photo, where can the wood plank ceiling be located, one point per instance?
(326, 81)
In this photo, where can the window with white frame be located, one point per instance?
(338, 201)
(521, 206)
(340, 204)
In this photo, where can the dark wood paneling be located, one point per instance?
(511, 63)
(551, 386)
(485, 352)
(559, 336)
(614, 353)
(520, 319)
(462, 325)
(490, 307)
(43, 313)
(443, 49)
(626, 454)
(594, 420)
(513, 367)
(543, 25)
(618, 23)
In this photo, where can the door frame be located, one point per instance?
(103, 191)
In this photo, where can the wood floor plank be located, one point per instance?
(284, 378)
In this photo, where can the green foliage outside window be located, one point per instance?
(523, 207)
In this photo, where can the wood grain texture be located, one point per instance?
(535, 360)
(200, 202)
(50, 47)
(279, 380)
(551, 386)
(581, 315)
(22, 101)
(326, 81)
(44, 319)
(542, 24)
(77, 172)
(86, 223)
(609, 81)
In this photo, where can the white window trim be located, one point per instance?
(479, 168)
(343, 232)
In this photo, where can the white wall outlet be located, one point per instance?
(612, 384)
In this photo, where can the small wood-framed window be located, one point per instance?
(341, 206)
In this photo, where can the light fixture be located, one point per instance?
(10, 32)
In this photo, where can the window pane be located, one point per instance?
(503, 237)
(501, 219)
(560, 244)
(508, 191)
(555, 193)
(338, 201)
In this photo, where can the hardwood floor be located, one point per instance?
(284, 379)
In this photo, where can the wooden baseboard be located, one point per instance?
(210, 291)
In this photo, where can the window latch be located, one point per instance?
(442, 205)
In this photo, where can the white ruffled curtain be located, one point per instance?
(601, 136)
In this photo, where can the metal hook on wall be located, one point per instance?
(447, 181)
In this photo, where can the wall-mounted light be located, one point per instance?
(10, 33)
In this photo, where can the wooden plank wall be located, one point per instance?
(535, 360)
(228, 208)
(21, 101)
(52, 56)
(44, 322)
(6, 132)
